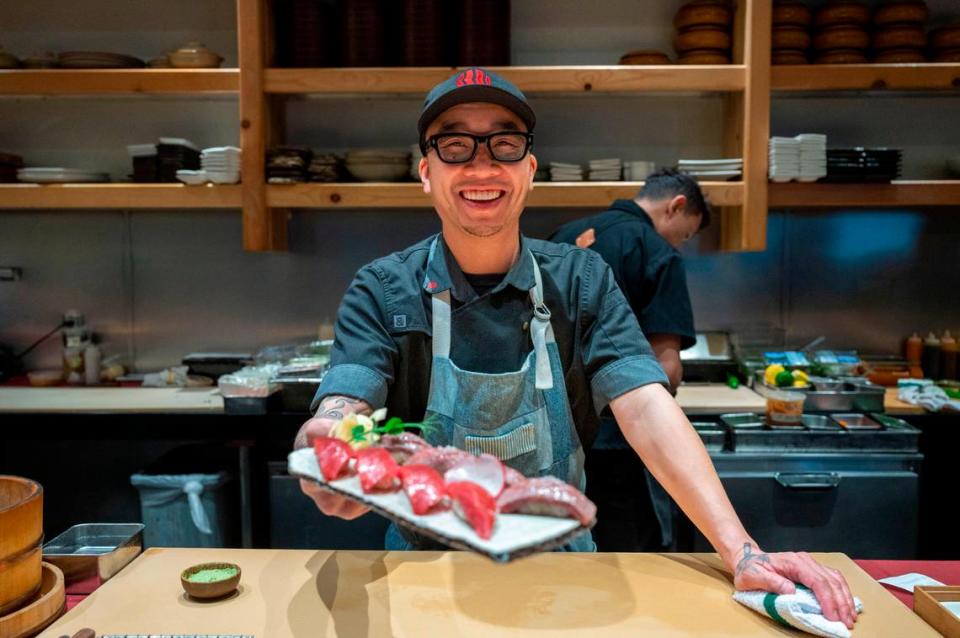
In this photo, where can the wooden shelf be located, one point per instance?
(530, 79)
(865, 77)
(119, 81)
(898, 193)
(118, 196)
(410, 195)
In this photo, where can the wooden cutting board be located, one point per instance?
(718, 398)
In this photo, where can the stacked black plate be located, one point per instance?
(173, 157)
(288, 164)
(862, 164)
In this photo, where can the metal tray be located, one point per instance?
(853, 421)
(713, 435)
(742, 421)
(89, 554)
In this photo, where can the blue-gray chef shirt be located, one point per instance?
(382, 348)
(649, 270)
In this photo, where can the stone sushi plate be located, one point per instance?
(514, 535)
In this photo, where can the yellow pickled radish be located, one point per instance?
(344, 430)
(798, 383)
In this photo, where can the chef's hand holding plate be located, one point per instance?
(777, 572)
(331, 412)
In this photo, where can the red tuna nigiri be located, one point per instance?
(423, 486)
(377, 469)
(475, 505)
(333, 456)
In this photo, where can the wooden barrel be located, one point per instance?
(21, 519)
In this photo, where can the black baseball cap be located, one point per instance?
(474, 84)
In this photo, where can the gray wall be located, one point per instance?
(157, 285)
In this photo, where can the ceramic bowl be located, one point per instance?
(790, 37)
(841, 37)
(390, 172)
(703, 13)
(842, 56)
(792, 12)
(644, 56)
(842, 12)
(215, 589)
(900, 56)
(698, 38)
(703, 57)
(788, 56)
(946, 38)
(194, 55)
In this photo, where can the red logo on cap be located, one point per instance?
(473, 76)
(431, 285)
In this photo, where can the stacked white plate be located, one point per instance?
(221, 164)
(784, 159)
(813, 157)
(379, 165)
(637, 170)
(561, 172)
(802, 158)
(712, 169)
(605, 170)
(57, 175)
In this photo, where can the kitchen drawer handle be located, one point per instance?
(809, 481)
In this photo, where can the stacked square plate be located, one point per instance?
(562, 172)
(221, 164)
(57, 175)
(802, 158)
(784, 159)
(325, 168)
(605, 170)
(712, 169)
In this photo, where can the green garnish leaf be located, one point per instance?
(358, 433)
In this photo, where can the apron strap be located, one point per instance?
(441, 324)
(540, 330)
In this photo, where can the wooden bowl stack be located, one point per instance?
(791, 32)
(945, 43)
(703, 32)
(841, 36)
(21, 543)
(899, 36)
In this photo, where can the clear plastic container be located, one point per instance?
(785, 408)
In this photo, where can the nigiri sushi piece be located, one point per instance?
(377, 470)
(512, 476)
(424, 487)
(439, 458)
(474, 504)
(485, 470)
(333, 457)
(547, 496)
(402, 446)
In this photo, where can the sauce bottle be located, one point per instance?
(948, 356)
(930, 360)
(914, 348)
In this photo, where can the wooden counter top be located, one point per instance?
(133, 400)
(698, 399)
(301, 593)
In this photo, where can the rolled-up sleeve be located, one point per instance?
(616, 356)
(364, 355)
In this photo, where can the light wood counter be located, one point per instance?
(132, 400)
(303, 593)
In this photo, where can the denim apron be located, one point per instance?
(522, 417)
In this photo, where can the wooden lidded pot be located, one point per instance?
(21, 543)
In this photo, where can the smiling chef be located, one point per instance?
(514, 346)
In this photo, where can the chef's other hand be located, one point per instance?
(777, 572)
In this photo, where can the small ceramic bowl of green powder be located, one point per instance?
(210, 580)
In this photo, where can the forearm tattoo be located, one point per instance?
(334, 407)
(750, 559)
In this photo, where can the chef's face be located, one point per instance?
(677, 225)
(482, 197)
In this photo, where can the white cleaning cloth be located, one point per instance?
(800, 610)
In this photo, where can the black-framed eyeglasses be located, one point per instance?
(459, 148)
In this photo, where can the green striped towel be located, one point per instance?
(800, 610)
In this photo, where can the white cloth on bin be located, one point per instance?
(167, 488)
(800, 610)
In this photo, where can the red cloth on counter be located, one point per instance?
(946, 571)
